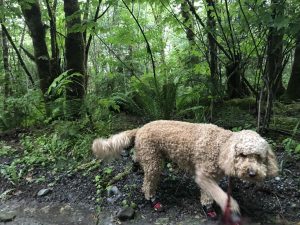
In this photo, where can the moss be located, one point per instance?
(242, 103)
(233, 116)
(284, 122)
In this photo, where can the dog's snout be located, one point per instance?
(251, 173)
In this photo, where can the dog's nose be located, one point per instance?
(251, 173)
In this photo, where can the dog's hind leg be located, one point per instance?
(152, 166)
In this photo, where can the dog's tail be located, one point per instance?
(113, 146)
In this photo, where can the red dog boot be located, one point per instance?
(156, 205)
(210, 212)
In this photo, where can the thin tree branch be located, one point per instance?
(88, 43)
(52, 20)
(193, 10)
(102, 14)
(230, 27)
(148, 46)
(18, 53)
(121, 61)
(222, 30)
(28, 54)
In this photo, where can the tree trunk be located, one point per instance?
(5, 63)
(275, 51)
(212, 47)
(294, 82)
(32, 14)
(55, 59)
(75, 57)
(236, 87)
(190, 35)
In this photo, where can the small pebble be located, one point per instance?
(126, 213)
(44, 192)
(7, 216)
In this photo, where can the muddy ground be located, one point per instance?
(74, 199)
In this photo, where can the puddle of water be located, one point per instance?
(34, 213)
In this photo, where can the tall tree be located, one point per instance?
(212, 46)
(294, 82)
(5, 59)
(189, 32)
(275, 50)
(32, 14)
(75, 57)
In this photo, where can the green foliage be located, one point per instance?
(23, 111)
(61, 82)
(291, 146)
(146, 100)
(9, 171)
(6, 150)
(101, 182)
(67, 146)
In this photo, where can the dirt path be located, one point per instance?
(35, 213)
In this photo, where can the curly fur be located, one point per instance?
(206, 150)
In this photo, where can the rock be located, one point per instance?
(277, 178)
(7, 216)
(114, 194)
(44, 192)
(113, 190)
(126, 213)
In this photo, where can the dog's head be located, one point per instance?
(248, 156)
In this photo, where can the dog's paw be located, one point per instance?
(210, 213)
(157, 206)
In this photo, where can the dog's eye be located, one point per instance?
(243, 155)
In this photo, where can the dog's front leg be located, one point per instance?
(210, 186)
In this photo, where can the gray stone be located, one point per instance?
(7, 216)
(113, 191)
(114, 194)
(44, 192)
(126, 213)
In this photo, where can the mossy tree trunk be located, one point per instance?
(212, 47)
(275, 51)
(190, 34)
(32, 14)
(75, 57)
(236, 87)
(5, 49)
(293, 89)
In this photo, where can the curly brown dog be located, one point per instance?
(209, 152)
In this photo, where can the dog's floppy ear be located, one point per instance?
(272, 166)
